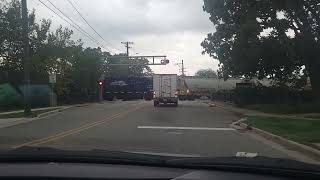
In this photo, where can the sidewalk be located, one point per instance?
(14, 121)
(248, 112)
(35, 109)
(7, 122)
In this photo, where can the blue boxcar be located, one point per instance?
(127, 88)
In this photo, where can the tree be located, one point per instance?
(139, 66)
(269, 38)
(11, 39)
(206, 73)
(77, 68)
(11, 43)
(87, 69)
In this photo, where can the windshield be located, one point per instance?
(199, 78)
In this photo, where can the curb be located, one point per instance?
(47, 113)
(292, 145)
(212, 105)
(81, 105)
(60, 110)
(227, 109)
(236, 124)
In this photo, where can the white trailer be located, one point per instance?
(165, 89)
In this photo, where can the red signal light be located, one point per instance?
(100, 83)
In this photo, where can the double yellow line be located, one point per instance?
(76, 130)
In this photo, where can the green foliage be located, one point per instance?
(299, 130)
(10, 36)
(87, 68)
(285, 108)
(244, 47)
(206, 73)
(272, 95)
(77, 68)
(138, 67)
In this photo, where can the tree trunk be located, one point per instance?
(314, 74)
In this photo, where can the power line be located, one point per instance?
(76, 24)
(85, 20)
(80, 30)
(68, 22)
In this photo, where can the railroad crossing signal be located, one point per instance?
(163, 61)
(100, 83)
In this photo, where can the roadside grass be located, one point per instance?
(21, 114)
(302, 131)
(285, 108)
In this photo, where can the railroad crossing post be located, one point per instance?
(100, 89)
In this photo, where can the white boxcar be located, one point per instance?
(165, 89)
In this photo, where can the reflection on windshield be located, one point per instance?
(189, 79)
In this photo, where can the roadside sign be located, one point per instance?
(52, 78)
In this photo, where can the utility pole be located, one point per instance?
(183, 70)
(26, 57)
(126, 44)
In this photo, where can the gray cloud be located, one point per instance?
(173, 27)
(136, 17)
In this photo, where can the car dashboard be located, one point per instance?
(54, 170)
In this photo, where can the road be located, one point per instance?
(193, 128)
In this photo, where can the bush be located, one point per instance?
(10, 97)
(270, 95)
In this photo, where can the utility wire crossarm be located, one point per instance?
(126, 44)
(183, 69)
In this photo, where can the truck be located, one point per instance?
(126, 87)
(165, 89)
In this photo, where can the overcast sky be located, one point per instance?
(157, 27)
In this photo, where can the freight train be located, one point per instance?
(128, 88)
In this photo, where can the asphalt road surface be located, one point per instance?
(192, 128)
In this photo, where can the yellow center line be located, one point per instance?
(77, 130)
